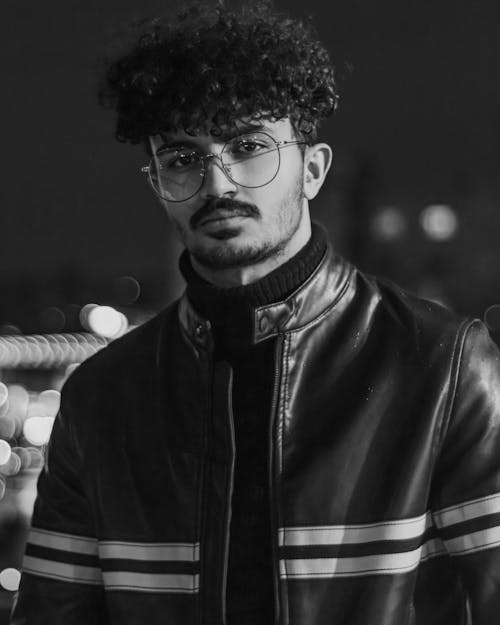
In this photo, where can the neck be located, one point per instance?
(240, 276)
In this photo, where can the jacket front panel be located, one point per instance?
(176, 466)
(376, 393)
(357, 461)
(137, 475)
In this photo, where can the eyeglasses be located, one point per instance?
(250, 160)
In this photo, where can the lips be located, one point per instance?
(220, 215)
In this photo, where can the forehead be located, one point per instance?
(280, 129)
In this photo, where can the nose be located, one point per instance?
(216, 182)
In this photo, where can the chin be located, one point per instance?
(227, 252)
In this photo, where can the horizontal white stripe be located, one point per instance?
(189, 552)
(433, 547)
(382, 564)
(349, 534)
(476, 541)
(148, 582)
(150, 551)
(62, 571)
(468, 510)
(63, 542)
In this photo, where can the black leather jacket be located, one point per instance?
(384, 455)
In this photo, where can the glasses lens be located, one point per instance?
(251, 160)
(176, 175)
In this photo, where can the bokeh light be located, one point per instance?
(127, 290)
(35, 408)
(439, 222)
(5, 452)
(18, 406)
(389, 224)
(37, 430)
(50, 401)
(24, 456)
(7, 427)
(9, 328)
(71, 368)
(4, 394)
(52, 319)
(49, 351)
(84, 314)
(18, 398)
(36, 457)
(12, 466)
(9, 579)
(107, 321)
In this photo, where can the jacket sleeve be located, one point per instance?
(61, 581)
(467, 480)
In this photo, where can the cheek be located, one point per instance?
(290, 177)
(179, 220)
(286, 188)
(180, 213)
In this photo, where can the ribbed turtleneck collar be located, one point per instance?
(230, 310)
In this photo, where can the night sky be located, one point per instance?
(422, 103)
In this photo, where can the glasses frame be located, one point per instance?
(146, 169)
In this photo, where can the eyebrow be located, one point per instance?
(224, 136)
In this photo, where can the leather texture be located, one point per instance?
(384, 461)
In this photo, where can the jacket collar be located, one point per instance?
(322, 290)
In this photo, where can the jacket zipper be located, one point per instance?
(203, 495)
(227, 530)
(273, 506)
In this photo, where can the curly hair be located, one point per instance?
(212, 66)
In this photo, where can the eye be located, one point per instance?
(178, 160)
(247, 146)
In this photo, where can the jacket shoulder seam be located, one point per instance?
(457, 360)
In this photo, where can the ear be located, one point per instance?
(317, 161)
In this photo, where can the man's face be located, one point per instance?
(226, 225)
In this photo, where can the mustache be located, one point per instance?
(240, 209)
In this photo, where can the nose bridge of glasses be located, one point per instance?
(215, 159)
(211, 157)
(212, 178)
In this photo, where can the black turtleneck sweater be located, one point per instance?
(249, 593)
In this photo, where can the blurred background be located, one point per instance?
(86, 252)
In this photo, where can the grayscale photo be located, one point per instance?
(250, 313)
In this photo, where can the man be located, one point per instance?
(292, 442)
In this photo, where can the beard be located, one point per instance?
(228, 255)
